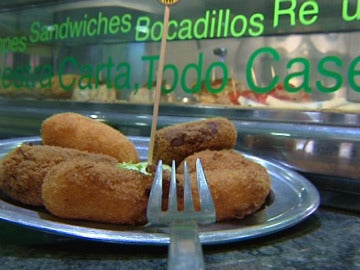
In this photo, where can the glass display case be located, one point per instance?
(286, 72)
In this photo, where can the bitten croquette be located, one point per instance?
(96, 191)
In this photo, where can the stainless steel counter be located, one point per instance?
(329, 239)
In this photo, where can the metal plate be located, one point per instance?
(295, 198)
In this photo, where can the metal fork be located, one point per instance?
(185, 251)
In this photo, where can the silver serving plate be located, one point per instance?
(295, 198)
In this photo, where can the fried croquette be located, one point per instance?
(73, 130)
(239, 186)
(101, 192)
(23, 169)
(181, 140)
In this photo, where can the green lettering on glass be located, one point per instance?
(172, 33)
(92, 28)
(345, 11)
(238, 26)
(107, 68)
(175, 72)
(279, 11)
(185, 30)
(19, 76)
(67, 61)
(250, 67)
(256, 20)
(85, 81)
(308, 13)
(304, 75)
(29, 81)
(330, 74)
(34, 32)
(197, 68)
(7, 77)
(225, 72)
(353, 72)
(122, 78)
(45, 76)
(126, 24)
(156, 31)
(152, 59)
(142, 29)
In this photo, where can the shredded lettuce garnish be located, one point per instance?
(140, 167)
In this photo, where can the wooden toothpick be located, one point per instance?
(157, 96)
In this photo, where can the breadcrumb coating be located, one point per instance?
(181, 140)
(74, 130)
(102, 192)
(239, 186)
(23, 169)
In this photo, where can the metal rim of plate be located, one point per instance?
(295, 199)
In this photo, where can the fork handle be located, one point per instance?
(185, 251)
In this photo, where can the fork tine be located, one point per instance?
(185, 247)
(206, 201)
(188, 199)
(155, 194)
(155, 213)
(172, 207)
